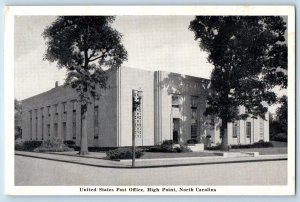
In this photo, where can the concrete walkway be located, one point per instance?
(97, 159)
(72, 157)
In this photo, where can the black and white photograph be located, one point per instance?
(150, 100)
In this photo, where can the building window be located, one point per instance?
(74, 117)
(48, 130)
(64, 107)
(96, 122)
(175, 101)
(64, 130)
(56, 109)
(55, 130)
(42, 111)
(248, 129)
(194, 101)
(194, 116)
(74, 105)
(261, 129)
(194, 131)
(42, 127)
(194, 119)
(235, 129)
(48, 111)
(30, 115)
(36, 123)
(74, 130)
(74, 125)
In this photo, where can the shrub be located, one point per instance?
(53, 145)
(27, 145)
(122, 153)
(18, 132)
(183, 148)
(168, 146)
(168, 142)
(155, 149)
(69, 142)
(76, 148)
(19, 144)
(217, 147)
(260, 144)
(192, 141)
(92, 149)
(100, 149)
(281, 137)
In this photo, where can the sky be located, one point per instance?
(152, 42)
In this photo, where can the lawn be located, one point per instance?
(155, 155)
(264, 151)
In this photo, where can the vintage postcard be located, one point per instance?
(150, 100)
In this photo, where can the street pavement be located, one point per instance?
(98, 160)
(37, 172)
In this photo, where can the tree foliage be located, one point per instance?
(278, 124)
(282, 114)
(86, 46)
(18, 119)
(249, 55)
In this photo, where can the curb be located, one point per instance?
(88, 157)
(170, 159)
(75, 162)
(155, 166)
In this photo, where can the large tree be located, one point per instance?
(249, 55)
(18, 119)
(278, 124)
(282, 113)
(86, 46)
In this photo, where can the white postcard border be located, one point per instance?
(10, 12)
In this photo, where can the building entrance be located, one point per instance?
(176, 130)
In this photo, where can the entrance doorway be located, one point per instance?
(176, 130)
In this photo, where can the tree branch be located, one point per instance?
(92, 54)
(91, 60)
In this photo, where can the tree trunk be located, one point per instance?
(224, 135)
(84, 138)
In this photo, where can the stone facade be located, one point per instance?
(172, 107)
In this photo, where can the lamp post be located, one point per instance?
(136, 104)
(133, 139)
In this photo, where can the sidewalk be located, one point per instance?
(98, 160)
(93, 159)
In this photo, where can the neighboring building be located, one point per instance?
(172, 107)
